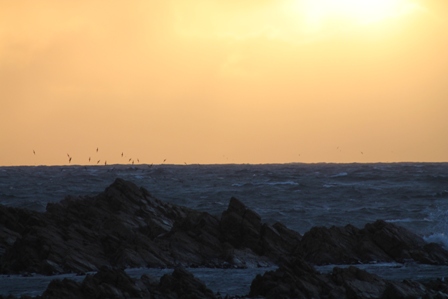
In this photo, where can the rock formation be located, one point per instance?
(296, 279)
(115, 284)
(125, 226)
(378, 241)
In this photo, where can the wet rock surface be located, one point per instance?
(114, 283)
(297, 279)
(378, 241)
(125, 226)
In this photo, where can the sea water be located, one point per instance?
(414, 195)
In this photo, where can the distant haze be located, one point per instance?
(198, 81)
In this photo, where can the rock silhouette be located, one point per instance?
(125, 226)
(378, 241)
(115, 283)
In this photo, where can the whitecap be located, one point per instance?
(439, 238)
(341, 174)
(281, 183)
(241, 184)
(400, 220)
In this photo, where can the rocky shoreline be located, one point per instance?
(126, 227)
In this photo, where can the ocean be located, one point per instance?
(301, 196)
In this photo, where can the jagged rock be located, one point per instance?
(107, 283)
(294, 279)
(116, 284)
(297, 279)
(182, 284)
(403, 245)
(379, 241)
(195, 240)
(117, 227)
(242, 228)
(125, 226)
(358, 283)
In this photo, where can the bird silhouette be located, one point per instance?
(70, 160)
(34, 152)
(98, 162)
(89, 159)
(97, 150)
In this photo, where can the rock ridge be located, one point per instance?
(125, 226)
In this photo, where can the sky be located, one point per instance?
(223, 81)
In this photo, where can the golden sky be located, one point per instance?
(219, 81)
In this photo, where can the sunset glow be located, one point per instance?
(358, 11)
(200, 81)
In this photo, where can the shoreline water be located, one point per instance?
(300, 196)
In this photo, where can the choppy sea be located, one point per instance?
(414, 195)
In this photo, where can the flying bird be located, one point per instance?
(122, 154)
(97, 150)
(89, 159)
(34, 152)
(70, 159)
(98, 162)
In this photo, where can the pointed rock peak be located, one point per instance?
(121, 183)
(124, 186)
(235, 205)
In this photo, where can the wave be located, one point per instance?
(280, 183)
(337, 175)
(439, 238)
(403, 220)
(292, 183)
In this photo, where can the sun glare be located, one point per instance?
(318, 13)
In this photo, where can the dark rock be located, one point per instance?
(379, 241)
(182, 284)
(116, 284)
(66, 288)
(358, 283)
(242, 228)
(107, 283)
(195, 240)
(297, 279)
(119, 227)
(125, 226)
(403, 245)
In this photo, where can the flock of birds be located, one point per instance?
(131, 161)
